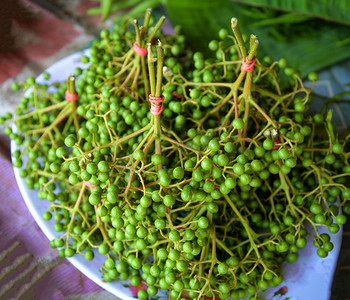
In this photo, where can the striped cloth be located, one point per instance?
(29, 268)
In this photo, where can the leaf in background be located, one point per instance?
(200, 20)
(282, 19)
(332, 10)
(308, 46)
(106, 7)
(119, 5)
(140, 8)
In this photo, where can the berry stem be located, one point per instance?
(245, 224)
(239, 38)
(75, 209)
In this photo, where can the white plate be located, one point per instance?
(310, 278)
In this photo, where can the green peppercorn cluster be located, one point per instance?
(209, 197)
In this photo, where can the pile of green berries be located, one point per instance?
(207, 198)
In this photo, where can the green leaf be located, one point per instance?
(124, 4)
(309, 45)
(119, 5)
(282, 19)
(139, 9)
(332, 10)
(106, 7)
(94, 11)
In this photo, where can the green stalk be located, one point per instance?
(254, 43)
(252, 51)
(137, 31)
(143, 32)
(158, 93)
(239, 38)
(144, 75)
(285, 187)
(155, 29)
(75, 209)
(156, 87)
(245, 224)
(71, 84)
(160, 63)
(154, 92)
(146, 20)
(152, 79)
(254, 46)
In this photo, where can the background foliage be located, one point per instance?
(311, 34)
